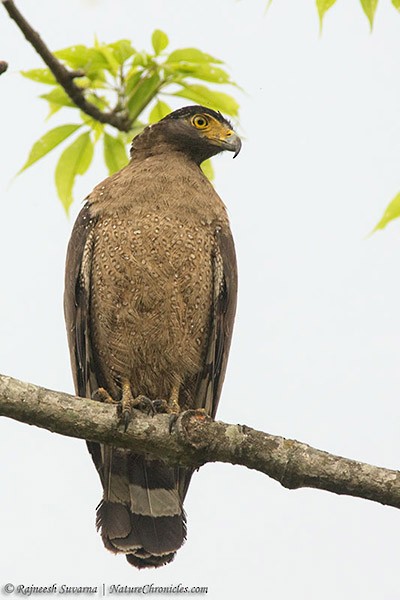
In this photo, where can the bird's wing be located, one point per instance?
(210, 379)
(77, 316)
(77, 303)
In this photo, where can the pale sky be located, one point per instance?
(316, 348)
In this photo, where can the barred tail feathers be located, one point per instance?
(141, 513)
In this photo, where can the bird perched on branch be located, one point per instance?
(150, 298)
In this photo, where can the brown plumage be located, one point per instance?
(150, 298)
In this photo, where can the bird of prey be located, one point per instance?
(150, 299)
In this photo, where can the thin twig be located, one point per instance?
(195, 439)
(64, 76)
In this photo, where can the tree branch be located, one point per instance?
(64, 76)
(3, 66)
(195, 439)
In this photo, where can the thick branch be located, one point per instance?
(64, 76)
(196, 439)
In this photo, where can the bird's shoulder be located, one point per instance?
(171, 186)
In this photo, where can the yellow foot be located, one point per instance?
(128, 403)
(166, 407)
(173, 401)
(173, 407)
(101, 395)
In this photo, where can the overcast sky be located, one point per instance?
(316, 350)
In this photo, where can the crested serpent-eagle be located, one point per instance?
(150, 298)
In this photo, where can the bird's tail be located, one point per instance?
(141, 514)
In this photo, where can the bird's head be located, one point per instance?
(196, 131)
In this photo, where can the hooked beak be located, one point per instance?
(231, 142)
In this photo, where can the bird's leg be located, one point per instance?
(173, 407)
(170, 406)
(126, 405)
(141, 402)
(101, 395)
(160, 405)
(128, 402)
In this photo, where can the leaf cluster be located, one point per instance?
(368, 6)
(392, 211)
(116, 77)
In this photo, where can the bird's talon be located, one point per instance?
(160, 405)
(145, 404)
(171, 421)
(173, 407)
(124, 414)
(126, 418)
(128, 403)
(101, 395)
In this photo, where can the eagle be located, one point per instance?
(150, 300)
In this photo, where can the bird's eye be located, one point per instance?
(200, 121)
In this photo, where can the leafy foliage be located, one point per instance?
(75, 160)
(116, 77)
(392, 212)
(368, 6)
(322, 7)
(46, 143)
(115, 154)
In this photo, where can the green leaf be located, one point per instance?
(40, 75)
(115, 155)
(199, 71)
(53, 108)
(58, 96)
(96, 127)
(91, 60)
(144, 93)
(75, 56)
(396, 4)
(122, 50)
(47, 142)
(132, 79)
(159, 40)
(141, 58)
(95, 73)
(192, 55)
(159, 111)
(85, 82)
(208, 169)
(112, 65)
(75, 160)
(268, 6)
(216, 100)
(322, 7)
(392, 212)
(369, 7)
(101, 58)
(99, 101)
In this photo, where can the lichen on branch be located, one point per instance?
(195, 439)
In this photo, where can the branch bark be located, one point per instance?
(64, 76)
(195, 440)
(3, 66)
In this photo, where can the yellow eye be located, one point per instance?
(200, 121)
